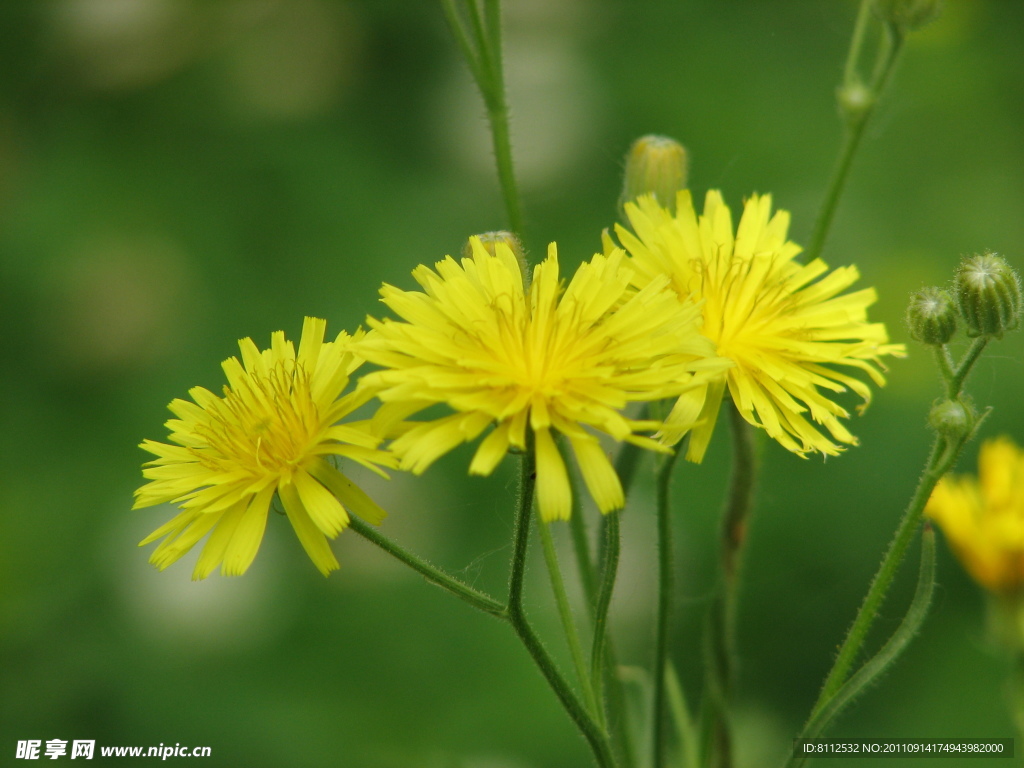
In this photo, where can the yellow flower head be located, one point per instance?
(983, 518)
(271, 432)
(772, 316)
(550, 358)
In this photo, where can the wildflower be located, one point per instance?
(271, 433)
(983, 518)
(549, 359)
(773, 317)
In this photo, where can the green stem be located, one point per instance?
(665, 588)
(433, 574)
(901, 638)
(856, 121)
(593, 733)
(481, 47)
(856, 42)
(616, 695)
(572, 637)
(956, 383)
(736, 516)
(604, 599)
(938, 464)
(945, 363)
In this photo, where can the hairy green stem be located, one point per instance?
(572, 637)
(432, 573)
(594, 734)
(898, 643)
(956, 383)
(604, 599)
(935, 468)
(666, 582)
(616, 697)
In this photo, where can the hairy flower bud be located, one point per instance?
(655, 165)
(952, 418)
(908, 15)
(931, 316)
(490, 240)
(988, 295)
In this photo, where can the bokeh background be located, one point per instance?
(177, 174)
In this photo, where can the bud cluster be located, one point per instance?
(986, 296)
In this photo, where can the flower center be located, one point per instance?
(264, 426)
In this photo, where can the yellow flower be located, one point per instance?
(550, 358)
(772, 316)
(271, 432)
(983, 518)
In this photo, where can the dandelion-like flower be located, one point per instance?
(983, 518)
(783, 324)
(545, 360)
(271, 433)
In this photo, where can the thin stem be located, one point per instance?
(615, 693)
(956, 383)
(572, 637)
(432, 573)
(481, 47)
(856, 42)
(935, 468)
(593, 733)
(581, 548)
(665, 588)
(901, 638)
(945, 363)
(856, 121)
(604, 599)
(739, 503)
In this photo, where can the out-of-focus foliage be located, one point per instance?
(178, 174)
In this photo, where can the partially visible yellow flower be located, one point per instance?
(983, 518)
(271, 433)
(783, 324)
(551, 359)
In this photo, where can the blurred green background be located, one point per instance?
(177, 174)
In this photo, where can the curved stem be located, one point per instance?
(856, 122)
(604, 599)
(593, 733)
(432, 573)
(487, 67)
(934, 470)
(572, 637)
(739, 503)
(901, 638)
(616, 697)
(665, 587)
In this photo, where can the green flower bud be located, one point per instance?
(931, 316)
(490, 240)
(908, 15)
(988, 295)
(952, 418)
(855, 100)
(655, 165)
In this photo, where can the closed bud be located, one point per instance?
(988, 295)
(908, 15)
(931, 316)
(655, 165)
(952, 418)
(855, 100)
(490, 241)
